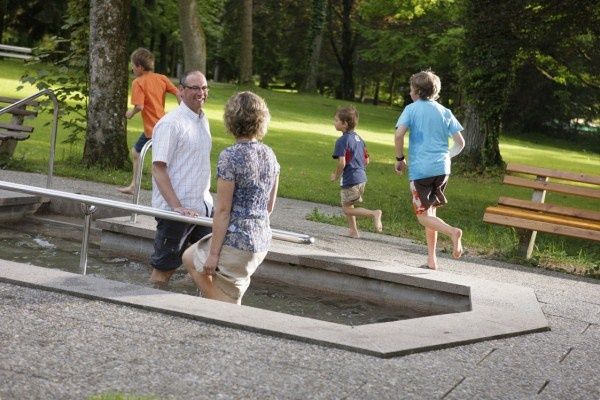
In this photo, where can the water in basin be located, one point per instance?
(62, 254)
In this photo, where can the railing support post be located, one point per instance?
(88, 210)
(138, 179)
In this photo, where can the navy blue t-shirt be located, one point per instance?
(352, 148)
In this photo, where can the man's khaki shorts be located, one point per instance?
(352, 194)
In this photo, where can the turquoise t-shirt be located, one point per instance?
(430, 125)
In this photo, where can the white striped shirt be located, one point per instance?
(181, 139)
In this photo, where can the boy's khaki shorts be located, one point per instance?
(352, 194)
(234, 270)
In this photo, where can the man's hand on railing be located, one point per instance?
(186, 212)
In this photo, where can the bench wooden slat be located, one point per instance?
(13, 127)
(11, 100)
(541, 226)
(545, 217)
(25, 113)
(550, 208)
(16, 55)
(5, 135)
(551, 173)
(552, 187)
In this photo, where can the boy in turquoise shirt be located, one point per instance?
(430, 125)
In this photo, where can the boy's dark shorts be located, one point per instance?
(172, 238)
(142, 140)
(428, 192)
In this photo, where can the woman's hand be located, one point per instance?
(210, 265)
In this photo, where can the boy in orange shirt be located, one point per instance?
(148, 91)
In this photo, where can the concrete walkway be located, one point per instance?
(58, 346)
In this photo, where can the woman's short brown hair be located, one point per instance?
(143, 58)
(349, 115)
(246, 115)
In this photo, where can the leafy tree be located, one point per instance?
(62, 65)
(557, 67)
(487, 71)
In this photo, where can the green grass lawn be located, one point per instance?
(302, 135)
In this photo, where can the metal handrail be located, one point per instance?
(89, 204)
(52, 96)
(138, 178)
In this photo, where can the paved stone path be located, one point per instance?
(54, 346)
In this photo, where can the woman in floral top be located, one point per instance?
(247, 180)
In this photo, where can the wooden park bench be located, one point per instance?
(14, 130)
(536, 215)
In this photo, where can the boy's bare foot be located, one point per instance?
(432, 263)
(353, 234)
(126, 189)
(377, 221)
(457, 249)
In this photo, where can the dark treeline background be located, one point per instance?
(516, 65)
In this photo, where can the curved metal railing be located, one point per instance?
(89, 204)
(52, 96)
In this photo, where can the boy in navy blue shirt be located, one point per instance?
(352, 158)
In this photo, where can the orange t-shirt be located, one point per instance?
(149, 90)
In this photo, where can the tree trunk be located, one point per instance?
(345, 57)
(391, 87)
(482, 148)
(192, 36)
(376, 95)
(317, 24)
(246, 49)
(106, 144)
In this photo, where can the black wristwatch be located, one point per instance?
(400, 158)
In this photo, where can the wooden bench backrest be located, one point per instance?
(543, 184)
(6, 101)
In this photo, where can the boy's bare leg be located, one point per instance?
(350, 210)
(431, 236)
(377, 220)
(430, 220)
(350, 217)
(135, 158)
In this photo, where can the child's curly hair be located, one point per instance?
(426, 85)
(246, 116)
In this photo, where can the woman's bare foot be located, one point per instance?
(457, 249)
(377, 220)
(126, 189)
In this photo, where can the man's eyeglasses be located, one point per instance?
(196, 88)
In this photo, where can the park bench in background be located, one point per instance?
(536, 215)
(13, 130)
(23, 53)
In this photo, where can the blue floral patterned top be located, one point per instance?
(253, 167)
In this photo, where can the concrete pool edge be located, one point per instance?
(498, 310)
